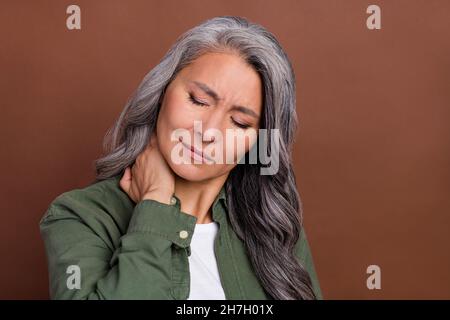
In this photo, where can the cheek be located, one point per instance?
(238, 145)
(171, 117)
(177, 113)
(174, 114)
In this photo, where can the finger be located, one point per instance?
(125, 181)
(152, 142)
(133, 193)
(133, 167)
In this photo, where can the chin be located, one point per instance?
(191, 172)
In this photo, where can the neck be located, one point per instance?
(197, 197)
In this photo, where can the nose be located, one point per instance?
(211, 126)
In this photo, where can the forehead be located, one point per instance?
(231, 77)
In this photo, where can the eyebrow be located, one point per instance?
(216, 98)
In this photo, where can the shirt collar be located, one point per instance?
(221, 197)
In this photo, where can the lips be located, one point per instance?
(199, 153)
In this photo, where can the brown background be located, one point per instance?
(373, 152)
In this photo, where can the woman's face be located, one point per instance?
(213, 105)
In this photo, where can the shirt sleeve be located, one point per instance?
(306, 259)
(139, 268)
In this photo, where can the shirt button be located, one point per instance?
(173, 201)
(184, 234)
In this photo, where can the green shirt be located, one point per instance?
(123, 250)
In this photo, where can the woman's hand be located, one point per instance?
(150, 177)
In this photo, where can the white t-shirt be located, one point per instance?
(205, 279)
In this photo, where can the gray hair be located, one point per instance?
(265, 210)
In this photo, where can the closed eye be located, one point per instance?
(238, 124)
(193, 100)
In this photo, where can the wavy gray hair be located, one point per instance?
(265, 210)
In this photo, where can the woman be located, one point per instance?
(167, 218)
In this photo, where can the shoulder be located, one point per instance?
(99, 205)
